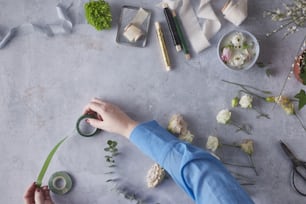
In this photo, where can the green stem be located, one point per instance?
(231, 145)
(288, 74)
(244, 127)
(253, 164)
(261, 114)
(245, 86)
(279, 28)
(252, 93)
(300, 121)
(238, 165)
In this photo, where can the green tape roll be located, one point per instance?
(60, 183)
(84, 129)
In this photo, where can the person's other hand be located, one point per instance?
(36, 195)
(110, 118)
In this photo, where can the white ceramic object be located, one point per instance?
(253, 50)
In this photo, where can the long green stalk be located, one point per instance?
(47, 162)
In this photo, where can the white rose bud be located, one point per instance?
(224, 116)
(212, 143)
(246, 101)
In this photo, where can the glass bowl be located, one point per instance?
(238, 50)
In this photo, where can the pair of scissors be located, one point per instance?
(298, 170)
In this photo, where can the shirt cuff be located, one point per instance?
(153, 140)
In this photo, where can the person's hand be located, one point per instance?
(110, 118)
(36, 195)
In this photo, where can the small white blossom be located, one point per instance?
(224, 116)
(238, 39)
(212, 143)
(238, 60)
(246, 101)
(155, 176)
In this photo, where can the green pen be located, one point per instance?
(181, 36)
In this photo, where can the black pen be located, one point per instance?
(172, 27)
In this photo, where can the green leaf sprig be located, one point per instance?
(112, 149)
(98, 14)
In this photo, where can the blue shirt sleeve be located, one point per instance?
(201, 175)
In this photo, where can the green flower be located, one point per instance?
(98, 14)
(270, 99)
(235, 102)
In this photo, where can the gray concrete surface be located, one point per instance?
(45, 82)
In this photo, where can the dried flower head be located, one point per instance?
(246, 101)
(155, 176)
(224, 116)
(247, 146)
(186, 136)
(177, 125)
(212, 143)
(286, 104)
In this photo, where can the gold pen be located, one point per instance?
(163, 47)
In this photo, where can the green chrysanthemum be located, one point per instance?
(98, 14)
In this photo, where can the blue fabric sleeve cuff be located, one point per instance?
(153, 140)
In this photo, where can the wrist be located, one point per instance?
(130, 127)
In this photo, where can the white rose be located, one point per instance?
(224, 116)
(246, 101)
(212, 143)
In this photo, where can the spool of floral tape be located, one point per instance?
(60, 183)
(85, 129)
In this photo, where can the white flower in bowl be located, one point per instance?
(238, 39)
(238, 60)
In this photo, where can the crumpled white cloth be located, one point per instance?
(235, 12)
(197, 34)
(64, 25)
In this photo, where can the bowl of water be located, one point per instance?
(238, 50)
